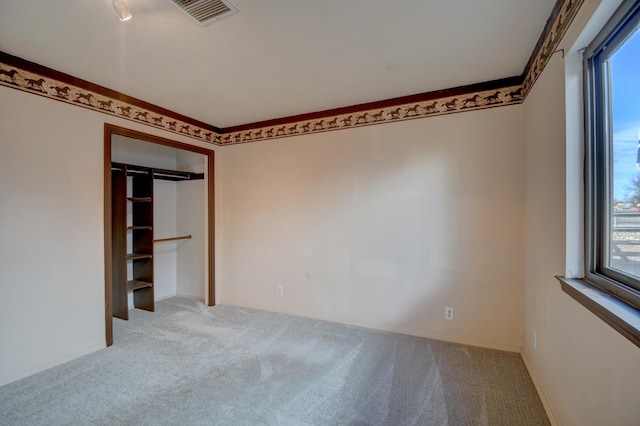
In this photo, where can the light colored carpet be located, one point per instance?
(188, 364)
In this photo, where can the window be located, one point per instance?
(613, 156)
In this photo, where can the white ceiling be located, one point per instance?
(276, 58)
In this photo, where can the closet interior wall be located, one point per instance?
(179, 208)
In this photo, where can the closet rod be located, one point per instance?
(162, 240)
(119, 169)
(164, 174)
(173, 176)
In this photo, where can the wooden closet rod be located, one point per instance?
(162, 240)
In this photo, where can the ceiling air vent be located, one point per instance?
(205, 12)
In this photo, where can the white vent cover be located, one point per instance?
(205, 12)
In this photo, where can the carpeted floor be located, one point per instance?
(188, 364)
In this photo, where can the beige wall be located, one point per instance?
(587, 372)
(191, 220)
(394, 223)
(51, 231)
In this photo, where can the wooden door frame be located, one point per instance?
(109, 131)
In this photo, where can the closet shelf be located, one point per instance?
(164, 174)
(136, 284)
(132, 199)
(136, 256)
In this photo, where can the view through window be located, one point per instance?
(623, 78)
(613, 156)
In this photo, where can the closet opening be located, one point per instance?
(158, 222)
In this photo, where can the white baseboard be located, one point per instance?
(543, 396)
(47, 365)
(159, 297)
(417, 333)
(189, 296)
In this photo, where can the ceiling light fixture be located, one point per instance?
(122, 10)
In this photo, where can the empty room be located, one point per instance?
(320, 213)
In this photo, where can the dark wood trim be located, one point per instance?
(111, 129)
(386, 103)
(84, 84)
(212, 230)
(123, 131)
(615, 312)
(108, 259)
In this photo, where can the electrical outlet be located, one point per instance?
(448, 313)
(279, 290)
(534, 340)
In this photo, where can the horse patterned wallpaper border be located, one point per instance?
(414, 110)
(551, 41)
(54, 89)
(25, 80)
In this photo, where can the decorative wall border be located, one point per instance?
(446, 103)
(467, 98)
(557, 25)
(27, 76)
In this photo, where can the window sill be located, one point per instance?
(622, 317)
